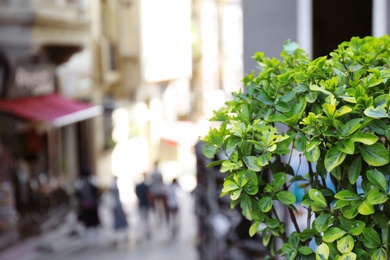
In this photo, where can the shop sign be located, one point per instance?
(32, 80)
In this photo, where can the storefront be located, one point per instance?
(47, 138)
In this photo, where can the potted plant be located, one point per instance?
(329, 116)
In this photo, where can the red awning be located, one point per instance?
(53, 109)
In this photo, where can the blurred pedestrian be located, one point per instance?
(143, 195)
(158, 192)
(120, 218)
(173, 207)
(87, 193)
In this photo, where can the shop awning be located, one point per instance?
(53, 109)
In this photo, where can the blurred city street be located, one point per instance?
(58, 244)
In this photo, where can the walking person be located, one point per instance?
(158, 193)
(120, 219)
(87, 193)
(143, 195)
(173, 207)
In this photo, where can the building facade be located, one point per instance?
(45, 128)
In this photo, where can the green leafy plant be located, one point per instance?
(320, 127)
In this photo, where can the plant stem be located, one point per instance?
(275, 213)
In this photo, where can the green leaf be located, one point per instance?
(347, 195)
(264, 98)
(364, 138)
(377, 197)
(308, 234)
(313, 155)
(333, 158)
(280, 179)
(378, 112)
(340, 204)
(322, 222)
(317, 196)
(348, 256)
(354, 170)
(254, 228)
(372, 237)
(230, 185)
(377, 178)
(345, 244)
(351, 126)
(272, 223)
(234, 195)
(354, 228)
(264, 159)
(305, 250)
(214, 163)
(246, 206)
(366, 208)
(210, 150)
(282, 107)
(342, 111)
(265, 204)
(289, 251)
(346, 146)
(286, 197)
(294, 239)
(350, 212)
(375, 155)
(333, 234)
(379, 254)
(251, 163)
(322, 252)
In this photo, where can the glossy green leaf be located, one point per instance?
(215, 163)
(372, 238)
(356, 227)
(333, 158)
(346, 146)
(375, 155)
(210, 150)
(322, 222)
(317, 196)
(280, 179)
(264, 159)
(377, 178)
(229, 185)
(332, 234)
(272, 223)
(246, 206)
(254, 228)
(354, 170)
(351, 211)
(351, 126)
(379, 254)
(322, 252)
(251, 163)
(347, 195)
(366, 208)
(234, 195)
(305, 250)
(282, 107)
(289, 251)
(339, 204)
(286, 197)
(378, 112)
(377, 197)
(313, 155)
(265, 204)
(345, 244)
(364, 138)
(348, 256)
